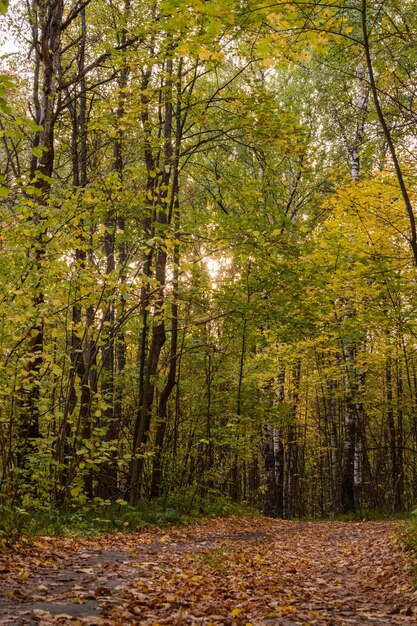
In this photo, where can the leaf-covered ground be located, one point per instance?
(235, 571)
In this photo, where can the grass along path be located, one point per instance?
(234, 571)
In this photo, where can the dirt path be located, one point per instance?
(232, 572)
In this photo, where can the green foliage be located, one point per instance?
(102, 517)
(199, 266)
(408, 537)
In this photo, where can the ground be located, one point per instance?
(235, 571)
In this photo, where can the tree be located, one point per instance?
(208, 241)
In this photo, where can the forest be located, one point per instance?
(208, 253)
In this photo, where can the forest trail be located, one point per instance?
(235, 571)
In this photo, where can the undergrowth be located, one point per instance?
(409, 539)
(99, 517)
(370, 515)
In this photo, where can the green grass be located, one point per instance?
(95, 519)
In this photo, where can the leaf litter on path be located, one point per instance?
(234, 571)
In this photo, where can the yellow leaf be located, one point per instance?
(286, 609)
(235, 612)
(204, 53)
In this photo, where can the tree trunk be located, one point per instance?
(162, 414)
(47, 28)
(158, 336)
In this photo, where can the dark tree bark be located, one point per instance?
(162, 413)
(158, 334)
(46, 32)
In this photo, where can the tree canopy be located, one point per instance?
(209, 251)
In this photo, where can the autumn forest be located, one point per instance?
(208, 242)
